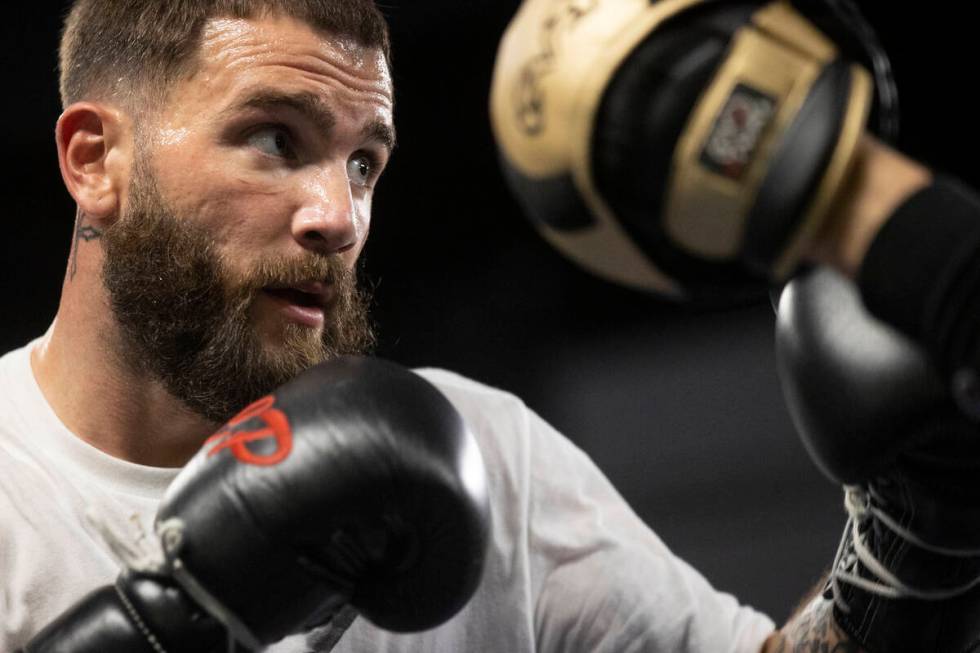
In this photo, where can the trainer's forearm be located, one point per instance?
(880, 181)
(811, 630)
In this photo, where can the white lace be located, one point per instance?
(130, 547)
(854, 549)
(135, 551)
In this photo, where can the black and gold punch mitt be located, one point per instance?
(687, 147)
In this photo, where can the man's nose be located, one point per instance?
(326, 222)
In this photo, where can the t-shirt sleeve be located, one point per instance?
(603, 581)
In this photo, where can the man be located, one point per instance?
(222, 156)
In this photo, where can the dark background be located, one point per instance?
(680, 407)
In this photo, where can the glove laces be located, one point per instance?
(134, 550)
(855, 551)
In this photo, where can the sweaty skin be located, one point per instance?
(273, 145)
(250, 198)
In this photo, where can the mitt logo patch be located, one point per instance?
(259, 435)
(737, 132)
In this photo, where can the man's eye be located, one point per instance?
(274, 141)
(359, 169)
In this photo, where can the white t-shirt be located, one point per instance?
(571, 568)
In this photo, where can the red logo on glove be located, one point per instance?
(260, 422)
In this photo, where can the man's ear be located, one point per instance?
(94, 152)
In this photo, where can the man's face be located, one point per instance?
(231, 267)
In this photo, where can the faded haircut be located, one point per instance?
(134, 50)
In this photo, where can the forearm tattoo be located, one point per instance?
(84, 232)
(813, 630)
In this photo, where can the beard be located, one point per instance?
(188, 321)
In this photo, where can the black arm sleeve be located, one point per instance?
(922, 273)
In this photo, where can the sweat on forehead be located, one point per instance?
(236, 44)
(124, 47)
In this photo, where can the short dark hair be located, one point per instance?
(148, 44)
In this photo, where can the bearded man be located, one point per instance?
(223, 155)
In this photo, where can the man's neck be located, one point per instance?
(114, 406)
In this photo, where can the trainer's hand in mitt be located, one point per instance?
(687, 147)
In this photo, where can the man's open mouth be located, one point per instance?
(313, 294)
(297, 297)
(304, 303)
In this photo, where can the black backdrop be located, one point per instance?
(680, 407)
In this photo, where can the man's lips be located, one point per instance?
(304, 302)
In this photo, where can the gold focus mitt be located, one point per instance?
(686, 147)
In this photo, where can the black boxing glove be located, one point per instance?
(688, 147)
(356, 485)
(875, 415)
(140, 613)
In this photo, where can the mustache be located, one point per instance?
(291, 271)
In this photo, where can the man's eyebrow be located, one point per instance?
(311, 106)
(314, 109)
(382, 132)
